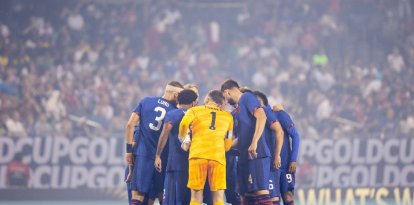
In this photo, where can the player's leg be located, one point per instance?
(196, 197)
(183, 193)
(259, 180)
(232, 196)
(274, 188)
(158, 186)
(197, 174)
(287, 186)
(217, 180)
(128, 183)
(169, 196)
(242, 180)
(207, 196)
(218, 197)
(142, 179)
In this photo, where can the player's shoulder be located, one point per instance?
(148, 99)
(226, 113)
(269, 112)
(282, 115)
(160, 101)
(174, 115)
(247, 95)
(196, 108)
(176, 112)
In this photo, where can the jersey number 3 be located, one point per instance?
(161, 114)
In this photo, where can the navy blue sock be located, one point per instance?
(250, 200)
(288, 203)
(264, 199)
(136, 202)
(276, 202)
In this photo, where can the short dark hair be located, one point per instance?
(262, 96)
(175, 84)
(217, 96)
(186, 97)
(229, 84)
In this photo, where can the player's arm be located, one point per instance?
(228, 141)
(260, 116)
(277, 128)
(287, 123)
(185, 125)
(293, 133)
(133, 120)
(166, 129)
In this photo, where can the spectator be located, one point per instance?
(93, 62)
(15, 126)
(43, 127)
(18, 173)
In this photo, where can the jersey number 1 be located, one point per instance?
(159, 119)
(213, 121)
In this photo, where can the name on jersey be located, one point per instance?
(163, 102)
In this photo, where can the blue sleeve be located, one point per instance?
(138, 108)
(293, 133)
(289, 127)
(169, 117)
(271, 117)
(251, 102)
(136, 133)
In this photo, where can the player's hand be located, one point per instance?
(292, 167)
(185, 146)
(277, 163)
(234, 143)
(128, 158)
(252, 151)
(129, 177)
(158, 163)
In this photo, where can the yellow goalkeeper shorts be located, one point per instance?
(200, 169)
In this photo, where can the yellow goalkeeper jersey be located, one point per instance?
(209, 127)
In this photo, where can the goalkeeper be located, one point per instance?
(211, 130)
(175, 189)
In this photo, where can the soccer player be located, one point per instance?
(130, 167)
(194, 88)
(274, 138)
(254, 158)
(232, 196)
(175, 186)
(289, 155)
(211, 129)
(150, 113)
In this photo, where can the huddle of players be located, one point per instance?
(266, 160)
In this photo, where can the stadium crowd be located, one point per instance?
(77, 68)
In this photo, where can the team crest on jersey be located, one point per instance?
(250, 179)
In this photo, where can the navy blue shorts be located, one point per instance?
(175, 188)
(274, 185)
(287, 182)
(145, 178)
(254, 175)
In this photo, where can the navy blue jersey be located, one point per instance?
(289, 152)
(177, 158)
(246, 125)
(269, 133)
(151, 111)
